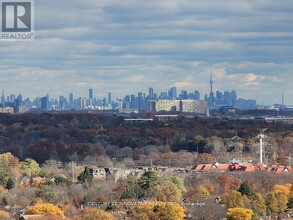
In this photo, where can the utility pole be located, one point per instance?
(261, 137)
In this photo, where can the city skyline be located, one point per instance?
(128, 47)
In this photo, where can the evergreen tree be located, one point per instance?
(85, 176)
(245, 189)
(10, 183)
(290, 203)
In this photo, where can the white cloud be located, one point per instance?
(103, 43)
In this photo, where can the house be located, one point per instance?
(25, 181)
(207, 167)
(198, 167)
(236, 139)
(220, 167)
(97, 173)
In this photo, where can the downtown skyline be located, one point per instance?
(125, 47)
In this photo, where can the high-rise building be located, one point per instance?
(151, 93)
(132, 101)
(3, 98)
(91, 94)
(44, 103)
(196, 95)
(109, 98)
(126, 102)
(140, 101)
(70, 100)
(19, 97)
(183, 95)
(173, 93)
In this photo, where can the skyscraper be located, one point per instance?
(109, 98)
(151, 93)
(132, 101)
(3, 98)
(140, 101)
(70, 100)
(44, 103)
(196, 95)
(173, 93)
(91, 94)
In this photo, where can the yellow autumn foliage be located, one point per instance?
(89, 213)
(170, 212)
(239, 214)
(285, 189)
(44, 208)
(4, 215)
(204, 190)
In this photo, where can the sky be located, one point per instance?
(128, 46)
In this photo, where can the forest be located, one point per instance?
(46, 162)
(83, 136)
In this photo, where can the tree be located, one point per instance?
(234, 199)
(10, 183)
(44, 209)
(245, 189)
(225, 181)
(258, 204)
(95, 214)
(59, 180)
(205, 158)
(272, 202)
(132, 190)
(170, 212)
(4, 215)
(290, 203)
(167, 192)
(85, 176)
(239, 214)
(148, 180)
(9, 165)
(30, 167)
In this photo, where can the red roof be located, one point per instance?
(222, 166)
(198, 166)
(207, 167)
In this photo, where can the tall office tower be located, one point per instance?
(132, 101)
(173, 92)
(109, 97)
(151, 93)
(19, 98)
(91, 94)
(283, 103)
(61, 102)
(3, 98)
(44, 103)
(183, 94)
(196, 95)
(233, 95)
(70, 100)
(12, 97)
(140, 101)
(126, 102)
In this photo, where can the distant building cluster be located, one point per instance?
(227, 98)
(225, 103)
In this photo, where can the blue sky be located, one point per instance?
(126, 46)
